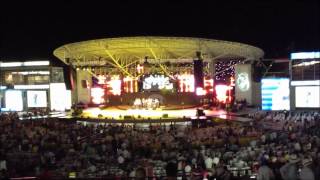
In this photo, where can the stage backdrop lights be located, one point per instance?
(200, 91)
(37, 98)
(307, 96)
(97, 95)
(157, 82)
(226, 68)
(14, 100)
(186, 82)
(130, 85)
(275, 94)
(114, 85)
(101, 79)
(222, 92)
(208, 84)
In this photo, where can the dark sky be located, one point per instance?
(33, 30)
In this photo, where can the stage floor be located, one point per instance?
(118, 113)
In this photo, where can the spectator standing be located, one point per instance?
(289, 171)
(264, 172)
(306, 171)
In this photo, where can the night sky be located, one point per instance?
(33, 30)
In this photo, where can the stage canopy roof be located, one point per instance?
(126, 51)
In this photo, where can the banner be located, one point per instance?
(243, 82)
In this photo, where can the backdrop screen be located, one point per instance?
(308, 96)
(275, 94)
(37, 98)
(156, 82)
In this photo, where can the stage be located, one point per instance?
(127, 113)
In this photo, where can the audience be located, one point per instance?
(53, 148)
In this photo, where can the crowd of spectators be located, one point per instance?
(53, 148)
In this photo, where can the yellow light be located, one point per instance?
(130, 84)
(143, 113)
(140, 69)
(72, 175)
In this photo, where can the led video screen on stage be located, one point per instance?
(157, 82)
(307, 96)
(37, 98)
(14, 100)
(275, 94)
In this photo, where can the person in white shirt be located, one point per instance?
(3, 165)
(208, 162)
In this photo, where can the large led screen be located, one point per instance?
(14, 100)
(307, 96)
(275, 94)
(60, 98)
(157, 82)
(37, 98)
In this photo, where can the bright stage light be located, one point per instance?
(186, 82)
(102, 79)
(115, 85)
(208, 85)
(143, 113)
(130, 85)
(232, 81)
(221, 91)
(140, 69)
(200, 91)
(97, 95)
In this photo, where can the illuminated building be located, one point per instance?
(33, 84)
(304, 68)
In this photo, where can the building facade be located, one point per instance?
(32, 84)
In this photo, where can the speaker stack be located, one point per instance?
(198, 71)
